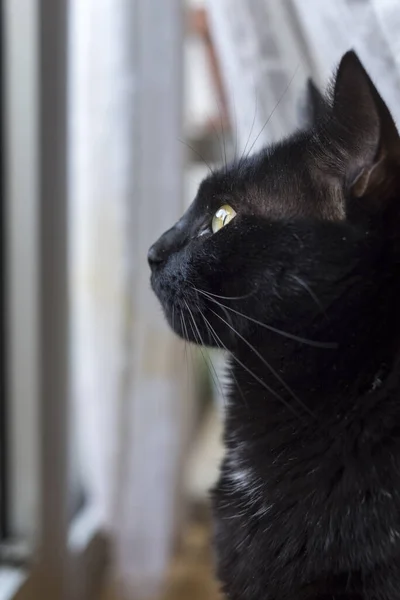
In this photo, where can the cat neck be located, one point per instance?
(299, 378)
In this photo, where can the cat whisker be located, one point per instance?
(209, 363)
(236, 128)
(215, 130)
(292, 336)
(183, 327)
(266, 363)
(184, 345)
(184, 330)
(211, 332)
(207, 164)
(310, 292)
(223, 137)
(228, 297)
(251, 131)
(255, 377)
(273, 110)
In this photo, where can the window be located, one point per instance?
(41, 499)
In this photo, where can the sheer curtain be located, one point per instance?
(268, 48)
(132, 416)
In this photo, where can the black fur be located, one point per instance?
(308, 500)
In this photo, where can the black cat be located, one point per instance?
(290, 259)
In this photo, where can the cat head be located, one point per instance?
(294, 232)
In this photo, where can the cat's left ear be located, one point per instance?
(364, 130)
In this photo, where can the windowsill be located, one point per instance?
(11, 580)
(89, 551)
(84, 528)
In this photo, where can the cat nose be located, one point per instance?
(170, 241)
(155, 255)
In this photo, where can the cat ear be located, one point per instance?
(363, 129)
(318, 106)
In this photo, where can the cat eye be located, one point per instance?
(222, 217)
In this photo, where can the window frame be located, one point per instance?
(36, 168)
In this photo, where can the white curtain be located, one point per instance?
(268, 48)
(132, 417)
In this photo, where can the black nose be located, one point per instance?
(155, 255)
(170, 241)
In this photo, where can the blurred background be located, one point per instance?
(113, 111)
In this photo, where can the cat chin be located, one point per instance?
(189, 325)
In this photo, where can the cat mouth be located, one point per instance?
(170, 293)
(184, 309)
(168, 289)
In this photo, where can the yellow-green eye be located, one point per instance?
(222, 217)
